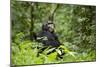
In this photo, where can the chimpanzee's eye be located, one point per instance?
(51, 26)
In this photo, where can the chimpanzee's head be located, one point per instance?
(49, 26)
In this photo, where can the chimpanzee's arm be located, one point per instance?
(38, 37)
(56, 38)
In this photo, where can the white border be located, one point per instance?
(5, 34)
(82, 2)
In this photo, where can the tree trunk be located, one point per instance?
(32, 22)
(51, 17)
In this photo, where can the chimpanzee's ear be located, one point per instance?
(44, 26)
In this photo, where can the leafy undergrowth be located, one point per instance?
(26, 53)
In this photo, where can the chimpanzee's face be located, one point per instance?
(51, 27)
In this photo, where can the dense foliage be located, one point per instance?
(75, 26)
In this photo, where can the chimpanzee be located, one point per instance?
(47, 35)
